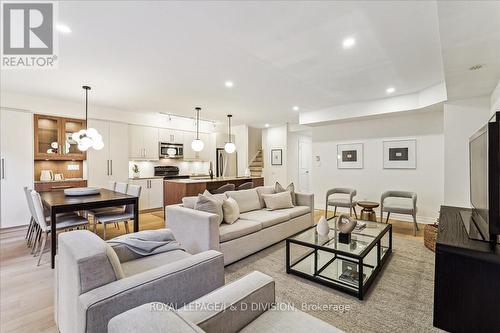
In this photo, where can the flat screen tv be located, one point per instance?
(484, 162)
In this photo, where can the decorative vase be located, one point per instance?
(322, 227)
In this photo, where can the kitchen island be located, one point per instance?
(176, 189)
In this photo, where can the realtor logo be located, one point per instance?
(28, 38)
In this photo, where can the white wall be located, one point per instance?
(274, 138)
(495, 99)
(241, 142)
(426, 180)
(461, 119)
(254, 142)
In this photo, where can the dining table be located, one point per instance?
(58, 202)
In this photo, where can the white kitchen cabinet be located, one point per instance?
(189, 153)
(111, 162)
(168, 135)
(16, 168)
(151, 193)
(143, 142)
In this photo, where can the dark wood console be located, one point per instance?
(467, 278)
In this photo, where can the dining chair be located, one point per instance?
(245, 186)
(65, 222)
(112, 187)
(32, 225)
(341, 197)
(399, 202)
(124, 215)
(224, 188)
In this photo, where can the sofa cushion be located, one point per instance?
(266, 217)
(278, 200)
(209, 204)
(136, 266)
(264, 190)
(231, 210)
(290, 188)
(238, 229)
(247, 200)
(296, 211)
(289, 320)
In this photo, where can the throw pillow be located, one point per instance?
(264, 190)
(209, 204)
(219, 196)
(189, 202)
(290, 188)
(278, 200)
(231, 211)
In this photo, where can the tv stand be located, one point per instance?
(467, 278)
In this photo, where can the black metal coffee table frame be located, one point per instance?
(362, 287)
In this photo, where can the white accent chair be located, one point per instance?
(399, 202)
(123, 215)
(341, 197)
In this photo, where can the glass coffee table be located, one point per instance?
(325, 260)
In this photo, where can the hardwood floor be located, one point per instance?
(26, 291)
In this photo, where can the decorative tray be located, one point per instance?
(79, 191)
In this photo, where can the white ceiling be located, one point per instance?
(173, 56)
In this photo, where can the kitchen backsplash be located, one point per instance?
(146, 168)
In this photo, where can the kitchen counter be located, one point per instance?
(152, 177)
(60, 181)
(176, 189)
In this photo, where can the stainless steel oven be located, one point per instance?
(171, 150)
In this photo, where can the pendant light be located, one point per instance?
(197, 144)
(88, 137)
(229, 147)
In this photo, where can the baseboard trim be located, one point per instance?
(399, 217)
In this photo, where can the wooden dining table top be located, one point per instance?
(58, 198)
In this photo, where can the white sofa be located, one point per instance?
(256, 229)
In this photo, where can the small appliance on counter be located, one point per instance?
(46, 175)
(168, 172)
(58, 177)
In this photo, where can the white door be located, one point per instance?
(151, 147)
(144, 197)
(136, 142)
(156, 193)
(98, 164)
(16, 168)
(118, 151)
(305, 157)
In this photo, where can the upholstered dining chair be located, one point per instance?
(224, 188)
(117, 216)
(63, 222)
(112, 187)
(341, 197)
(399, 202)
(245, 186)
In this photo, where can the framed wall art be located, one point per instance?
(276, 156)
(350, 156)
(400, 154)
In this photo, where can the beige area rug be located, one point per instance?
(399, 300)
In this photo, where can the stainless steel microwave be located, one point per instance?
(171, 150)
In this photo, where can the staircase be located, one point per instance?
(256, 165)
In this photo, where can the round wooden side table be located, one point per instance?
(367, 213)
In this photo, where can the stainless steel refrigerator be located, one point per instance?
(227, 165)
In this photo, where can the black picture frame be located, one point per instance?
(276, 156)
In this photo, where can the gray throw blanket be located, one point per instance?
(147, 242)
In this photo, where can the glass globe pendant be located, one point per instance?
(88, 137)
(229, 147)
(197, 145)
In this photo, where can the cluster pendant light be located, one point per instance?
(88, 137)
(197, 144)
(229, 147)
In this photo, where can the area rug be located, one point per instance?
(399, 300)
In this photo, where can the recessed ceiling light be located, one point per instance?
(390, 90)
(229, 84)
(295, 108)
(348, 42)
(63, 28)
(267, 125)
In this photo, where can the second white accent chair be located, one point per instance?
(341, 197)
(123, 215)
(399, 202)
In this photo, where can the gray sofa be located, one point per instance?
(94, 283)
(256, 229)
(245, 305)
